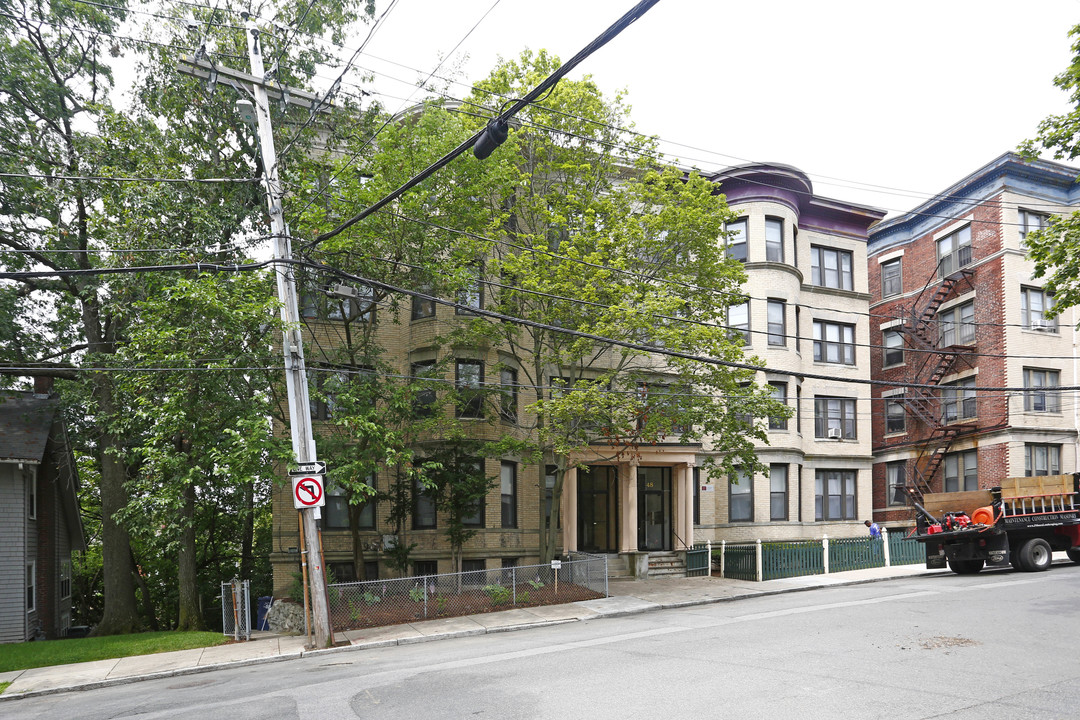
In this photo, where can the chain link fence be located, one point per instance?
(375, 603)
(236, 609)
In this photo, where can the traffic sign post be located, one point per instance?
(308, 492)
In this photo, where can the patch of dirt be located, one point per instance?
(942, 641)
(397, 609)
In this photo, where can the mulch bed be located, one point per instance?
(398, 609)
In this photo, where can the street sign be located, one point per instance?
(308, 492)
(315, 467)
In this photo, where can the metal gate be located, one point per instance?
(236, 609)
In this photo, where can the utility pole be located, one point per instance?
(295, 373)
(303, 441)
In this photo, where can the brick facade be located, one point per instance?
(995, 344)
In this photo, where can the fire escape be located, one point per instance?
(933, 361)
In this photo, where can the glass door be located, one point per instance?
(598, 503)
(654, 508)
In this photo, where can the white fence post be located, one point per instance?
(825, 552)
(708, 561)
(757, 553)
(723, 556)
(885, 539)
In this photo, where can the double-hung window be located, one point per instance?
(1040, 459)
(741, 497)
(777, 322)
(1041, 397)
(1029, 222)
(779, 394)
(954, 251)
(471, 297)
(894, 348)
(834, 495)
(422, 307)
(774, 239)
(962, 471)
(739, 321)
(736, 241)
(424, 397)
(831, 268)
(472, 515)
(957, 325)
(508, 382)
(1034, 306)
(834, 342)
(896, 475)
(958, 400)
(469, 378)
(508, 493)
(778, 492)
(423, 515)
(834, 418)
(894, 416)
(891, 279)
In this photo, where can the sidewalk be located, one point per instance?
(627, 597)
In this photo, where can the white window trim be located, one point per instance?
(889, 257)
(32, 585)
(955, 227)
(31, 493)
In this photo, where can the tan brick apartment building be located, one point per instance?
(957, 311)
(807, 318)
(806, 315)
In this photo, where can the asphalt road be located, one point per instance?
(999, 645)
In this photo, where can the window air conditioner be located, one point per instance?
(1041, 325)
(835, 434)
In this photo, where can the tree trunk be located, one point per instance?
(187, 571)
(357, 545)
(551, 533)
(144, 591)
(121, 614)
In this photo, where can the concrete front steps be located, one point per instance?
(666, 564)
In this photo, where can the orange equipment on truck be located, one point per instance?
(1021, 522)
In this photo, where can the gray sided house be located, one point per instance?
(39, 518)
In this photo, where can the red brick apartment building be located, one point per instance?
(958, 323)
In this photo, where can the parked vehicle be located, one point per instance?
(1020, 522)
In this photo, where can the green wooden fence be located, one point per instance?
(796, 558)
(791, 559)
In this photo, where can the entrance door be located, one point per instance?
(654, 508)
(598, 503)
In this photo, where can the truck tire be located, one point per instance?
(966, 567)
(1074, 554)
(1035, 555)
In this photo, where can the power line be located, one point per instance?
(548, 83)
(110, 178)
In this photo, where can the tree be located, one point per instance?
(60, 137)
(200, 433)
(574, 226)
(1056, 248)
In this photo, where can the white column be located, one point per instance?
(688, 501)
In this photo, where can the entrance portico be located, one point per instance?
(642, 504)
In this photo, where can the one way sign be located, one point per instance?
(308, 492)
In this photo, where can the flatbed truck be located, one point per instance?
(1019, 523)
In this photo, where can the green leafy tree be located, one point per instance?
(1056, 248)
(200, 433)
(606, 253)
(57, 126)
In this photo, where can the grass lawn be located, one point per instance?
(23, 656)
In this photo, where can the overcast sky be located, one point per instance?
(911, 96)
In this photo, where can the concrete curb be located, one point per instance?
(644, 607)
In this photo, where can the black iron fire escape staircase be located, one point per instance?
(922, 403)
